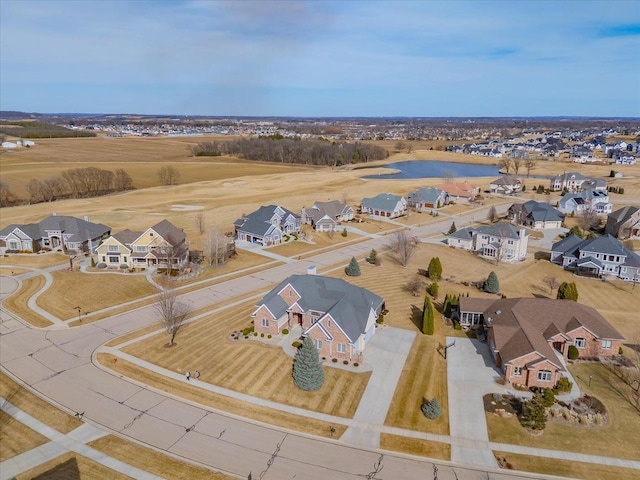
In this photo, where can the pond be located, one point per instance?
(433, 169)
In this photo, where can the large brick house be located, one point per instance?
(526, 336)
(339, 317)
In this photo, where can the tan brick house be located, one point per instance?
(339, 317)
(526, 336)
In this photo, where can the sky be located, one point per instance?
(313, 58)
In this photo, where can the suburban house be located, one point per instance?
(339, 317)
(501, 241)
(624, 223)
(456, 191)
(159, 246)
(528, 337)
(267, 225)
(326, 216)
(506, 185)
(536, 215)
(587, 200)
(384, 205)
(427, 198)
(575, 182)
(53, 232)
(597, 257)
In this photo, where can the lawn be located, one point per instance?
(415, 446)
(204, 345)
(17, 303)
(152, 461)
(71, 466)
(10, 271)
(43, 260)
(36, 407)
(92, 292)
(317, 241)
(565, 468)
(16, 437)
(618, 438)
(220, 402)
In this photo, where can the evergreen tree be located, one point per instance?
(491, 285)
(434, 289)
(431, 409)
(446, 306)
(452, 228)
(373, 257)
(307, 369)
(353, 269)
(568, 291)
(428, 326)
(534, 415)
(434, 271)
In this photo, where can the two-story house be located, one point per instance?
(384, 205)
(624, 223)
(569, 181)
(159, 246)
(267, 225)
(537, 215)
(326, 216)
(506, 185)
(597, 257)
(339, 317)
(593, 200)
(501, 241)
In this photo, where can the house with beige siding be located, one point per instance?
(624, 223)
(339, 317)
(326, 216)
(528, 337)
(161, 245)
(267, 226)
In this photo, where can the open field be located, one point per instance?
(18, 302)
(36, 407)
(316, 241)
(220, 402)
(16, 437)
(71, 466)
(10, 271)
(43, 260)
(586, 471)
(88, 291)
(151, 461)
(232, 365)
(414, 446)
(618, 438)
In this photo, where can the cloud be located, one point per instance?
(620, 30)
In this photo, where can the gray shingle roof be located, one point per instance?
(500, 229)
(79, 230)
(605, 244)
(623, 214)
(464, 233)
(385, 201)
(567, 244)
(259, 222)
(542, 212)
(425, 195)
(169, 232)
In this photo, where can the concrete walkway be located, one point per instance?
(575, 390)
(260, 250)
(60, 443)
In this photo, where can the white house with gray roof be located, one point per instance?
(501, 241)
(339, 317)
(574, 182)
(267, 225)
(54, 231)
(597, 257)
(427, 198)
(384, 205)
(587, 200)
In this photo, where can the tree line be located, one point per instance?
(73, 183)
(288, 150)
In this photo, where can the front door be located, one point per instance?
(558, 346)
(299, 318)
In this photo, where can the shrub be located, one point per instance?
(548, 397)
(93, 262)
(334, 360)
(433, 289)
(344, 232)
(269, 336)
(248, 330)
(620, 351)
(431, 409)
(262, 335)
(568, 291)
(564, 385)
(573, 353)
(457, 326)
(296, 344)
(356, 364)
(373, 257)
(285, 331)
(353, 269)
(102, 265)
(491, 285)
(346, 362)
(124, 266)
(255, 334)
(434, 271)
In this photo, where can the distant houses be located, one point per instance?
(385, 205)
(537, 215)
(267, 225)
(326, 216)
(501, 241)
(55, 231)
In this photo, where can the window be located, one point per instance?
(328, 323)
(510, 242)
(544, 375)
(580, 342)
(141, 248)
(318, 344)
(265, 322)
(517, 371)
(606, 344)
(341, 348)
(114, 259)
(104, 259)
(124, 259)
(113, 248)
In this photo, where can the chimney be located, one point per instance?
(86, 218)
(311, 270)
(55, 214)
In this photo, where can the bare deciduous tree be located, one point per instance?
(199, 219)
(530, 164)
(6, 195)
(122, 181)
(216, 247)
(403, 246)
(588, 218)
(551, 282)
(516, 163)
(492, 214)
(168, 175)
(415, 286)
(171, 312)
(505, 164)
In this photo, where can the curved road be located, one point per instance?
(57, 364)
